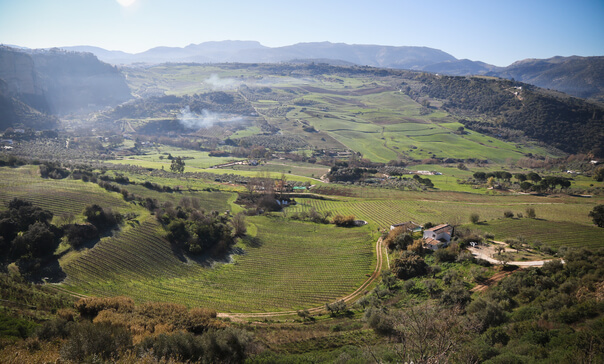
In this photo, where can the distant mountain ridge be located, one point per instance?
(254, 52)
(577, 76)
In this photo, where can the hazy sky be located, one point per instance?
(493, 31)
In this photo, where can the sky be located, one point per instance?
(498, 32)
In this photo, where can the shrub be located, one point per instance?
(343, 221)
(91, 306)
(474, 218)
(508, 214)
(87, 340)
(445, 255)
(409, 265)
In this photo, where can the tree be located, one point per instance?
(474, 218)
(336, 307)
(178, 165)
(388, 279)
(409, 265)
(480, 176)
(534, 177)
(238, 223)
(597, 215)
(526, 185)
(424, 339)
(491, 182)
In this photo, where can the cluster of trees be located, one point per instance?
(26, 231)
(539, 183)
(550, 314)
(192, 229)
(342, 172)
(344, 220)
(273, 142)
(28, 237)
(163, 106)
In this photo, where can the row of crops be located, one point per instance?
(58, 196)
(298, 266)
(384, 212)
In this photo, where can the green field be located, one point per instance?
(551, 233)
(299, 264)
(312, 265)
(361, 113)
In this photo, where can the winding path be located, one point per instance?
(317, 310)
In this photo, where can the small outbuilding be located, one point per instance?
(408, 227)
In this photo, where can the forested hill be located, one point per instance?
(507, 108)
(577, 76)
(59, 82)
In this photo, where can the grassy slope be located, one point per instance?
(367, 115)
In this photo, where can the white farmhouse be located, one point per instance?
(440, 234)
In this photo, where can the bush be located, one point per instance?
(456, 295)
(91, 306)
(474, 218)
(87, 340)
(445, 255)
(409, 265)
(343, 221)
(508, 214)
(78, 234)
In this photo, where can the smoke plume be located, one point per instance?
(206, 119)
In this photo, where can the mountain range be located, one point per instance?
(577, 76)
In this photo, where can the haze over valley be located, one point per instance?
(340, 188)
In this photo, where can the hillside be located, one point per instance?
(382, 114)
(567, 123)
(15, 113)
(577, 76)
(59, 82)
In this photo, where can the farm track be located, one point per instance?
(491, 281)
(321, 309)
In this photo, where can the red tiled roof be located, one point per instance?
(440, 227)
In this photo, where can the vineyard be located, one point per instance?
(293, 265)
(450, 207)
(554, 234)
(314, 264)
(58, 196)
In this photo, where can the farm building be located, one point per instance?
(438, 236)
(408, 226)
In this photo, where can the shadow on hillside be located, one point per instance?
(40, 270)
(208, 260)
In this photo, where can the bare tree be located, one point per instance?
(424, 339)
(238, 222)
